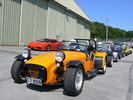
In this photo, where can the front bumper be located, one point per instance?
(37, 47)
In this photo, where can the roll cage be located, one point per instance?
(83, 45)
(91, 43)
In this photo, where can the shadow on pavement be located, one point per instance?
(46, 88)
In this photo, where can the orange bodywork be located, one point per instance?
(48, 61)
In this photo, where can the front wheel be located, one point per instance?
(48, 48)
(109, 61)
(123, 55)
(119, 56)
(16, 71)
(73, 82)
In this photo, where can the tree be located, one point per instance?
(98, 30)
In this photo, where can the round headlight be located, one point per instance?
(26, 53)
(60, 56)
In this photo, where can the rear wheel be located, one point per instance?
(16, 71)
(103, 70)
(73, 82)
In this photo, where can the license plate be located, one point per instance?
(34, 81)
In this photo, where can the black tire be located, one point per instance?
(109, 61)
(103, 70)
(48, 48)
(116, 60)
(70, 79)
(16, 71)
(123, 55)
(119, 55)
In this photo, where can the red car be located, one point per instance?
(45, 44)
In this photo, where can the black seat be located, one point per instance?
(90, 48)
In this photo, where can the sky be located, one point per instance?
(119, 12)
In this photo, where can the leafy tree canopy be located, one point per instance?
(98, 30)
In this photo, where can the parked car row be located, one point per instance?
(75, 61)
(115, 50)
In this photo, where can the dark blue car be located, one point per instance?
(118, 52)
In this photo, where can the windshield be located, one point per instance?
(103, 47)
(99, 47)
(44, 40)
(117, 47)
(123, 47)
(106, 46)
(73, 45)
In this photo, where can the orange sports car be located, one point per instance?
(75, 61)
(45, 44)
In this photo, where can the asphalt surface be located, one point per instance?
(116, 84)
